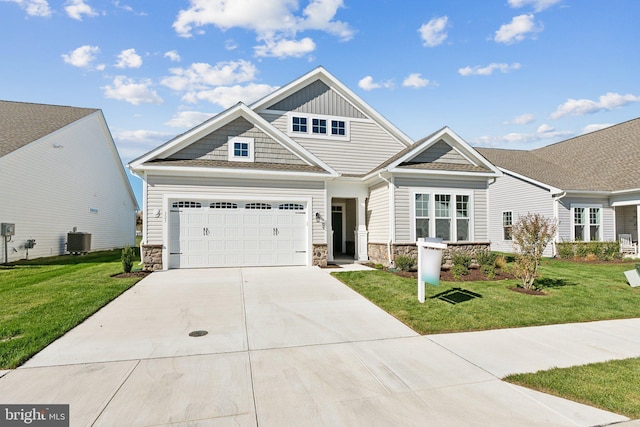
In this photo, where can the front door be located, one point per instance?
(337, 219)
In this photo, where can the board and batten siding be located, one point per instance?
(318, 98)
(218, 188)
(369, 144)
(403, 191)
(511, 194)
(70, 178)
(565, 221)
(378, 213)
(215, 145)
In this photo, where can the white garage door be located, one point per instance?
(234, 234)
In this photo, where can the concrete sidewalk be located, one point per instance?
(293, 346)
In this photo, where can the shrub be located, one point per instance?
(379, 267)
(603, 251)
(486, 258)
(459, 270)
(565, 250)
(128, 255)
(489, 270)
(461, 258)
(405, 262)
(500, 262)
(531, 234)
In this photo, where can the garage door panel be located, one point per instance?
(216, 233)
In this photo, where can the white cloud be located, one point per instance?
(538, 5)
(516, 31)
(285, 48)
(76, 8)
(415, 80)
(188, 119)
(580, 107)
(173, 56)
(203, 76)
(33, 7)
(595, 127)
(230, 44)
(488, 70)
(523, 140)
(226, 96)
(367, 83)
(263, 17)
(127, 89)
(134, 143)
(82, 57)
(545, 128)
(523, 119)
(129, 59)
(433, 32)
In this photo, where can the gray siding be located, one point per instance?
(318, 98)
(214, 146)
(370, 145)
(440, 152)
(158, 186)
(403, 204)
(565, 220)
(626, 221)
(508, 193)
(378, 213)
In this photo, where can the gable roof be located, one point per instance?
(22, 123)
(604, 160)
(158, 156)
(407, 159)
(321, 74)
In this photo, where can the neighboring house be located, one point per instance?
(589, 184)
(60, 169)
(308, 174)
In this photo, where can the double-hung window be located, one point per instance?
(587, 223)
(507, 225)
(443, 215)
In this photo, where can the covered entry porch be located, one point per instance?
(347, 235)
(627, 226)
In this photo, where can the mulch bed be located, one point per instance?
(526, 291)
(475, 275)
(139, 273)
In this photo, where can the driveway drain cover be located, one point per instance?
(198, 333)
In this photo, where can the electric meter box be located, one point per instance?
(7, 229)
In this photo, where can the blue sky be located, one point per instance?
(504, 73)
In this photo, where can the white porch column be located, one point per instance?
(362, 240)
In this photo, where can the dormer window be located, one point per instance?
(318, 126)
(240, 149)
(299, 124)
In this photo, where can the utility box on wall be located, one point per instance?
(7, 229)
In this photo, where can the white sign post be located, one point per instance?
(429, 263)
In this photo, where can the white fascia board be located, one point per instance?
(320, 73)
(631, 190)
(440, 173)
(587, 193)
(553, 190)
(229, 172)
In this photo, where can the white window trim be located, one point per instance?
(309, 133)
(230, 148)
(453, 192)
(588, 224)
(502, 226)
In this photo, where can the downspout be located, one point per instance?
(556, 202)
(392, 216)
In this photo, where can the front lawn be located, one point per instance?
(42, 299)
(575, 292)
(613, 386)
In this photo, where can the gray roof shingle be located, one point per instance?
(604, 160)
(22, 123)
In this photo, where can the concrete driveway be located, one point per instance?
(285, 347)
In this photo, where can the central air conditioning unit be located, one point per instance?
(78, 242)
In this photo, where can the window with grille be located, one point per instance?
(257, 206)
(186, 204)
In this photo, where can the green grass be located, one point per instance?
(576, 292)
(42, 299)
(613, 386)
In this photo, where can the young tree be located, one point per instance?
(531, 234)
